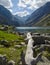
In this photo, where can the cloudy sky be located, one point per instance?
(22, 7)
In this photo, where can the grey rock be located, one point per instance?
(11, 62)
(17, 46)
(36, 34)
(39, 40)
(3, 60)
(44, 61)
(23, 44)
(4, 41)
(47, 41)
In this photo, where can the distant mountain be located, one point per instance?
(38, 15)
(22, 19)
(7, 18)
(21, 22)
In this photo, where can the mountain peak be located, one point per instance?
(1, 6)
(48, 4)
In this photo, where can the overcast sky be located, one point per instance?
(22, 7)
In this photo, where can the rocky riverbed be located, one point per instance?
(13, 47)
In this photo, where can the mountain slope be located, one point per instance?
(38, 15)
(22, 19)
(45, 21)
(7, 18)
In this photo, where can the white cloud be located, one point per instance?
(6, 3)
(37, 3)
(27, 1)
(40, 3)
(22, 14)
(21, 4)
(10, 10)
(29, 4)
(32, 3)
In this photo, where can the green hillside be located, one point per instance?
(9, 36)
(44, 21)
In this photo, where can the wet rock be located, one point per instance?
(36, 34)
(47, 37)
(47, 41)
(3, 60)
(38, 40)
(23, 44)
(44, 61)
(17, 46)
(11, 62)
(47, 34)
(5, 43)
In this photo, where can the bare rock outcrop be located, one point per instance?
(3, 60)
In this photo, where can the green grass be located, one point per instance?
(9, 36)
(11, 52)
